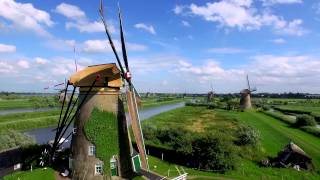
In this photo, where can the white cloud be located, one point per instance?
(226, 50)
(316, 7)
(148, 28)
(272, 2)
(40, 60)
(70, 11)
(23, 64)
(89, 27)
(39, 72)
(179, 9)
(185, 23)
(278, 41)
(244, 16)
(5, 48)
(60, 44)
(268, 72)
(102, 46)
(24, 16)
(80, 21)
(6, 67)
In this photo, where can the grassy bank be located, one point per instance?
(275, 134)
(30, 120)
(37, 174)
(28, 102)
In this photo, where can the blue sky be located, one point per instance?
(173, 45)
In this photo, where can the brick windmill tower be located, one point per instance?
(245, 99)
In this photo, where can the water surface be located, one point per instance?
(43, 135)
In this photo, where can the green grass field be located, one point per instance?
(28, 102)
(37, 174)
(275, 134)
(30, 120)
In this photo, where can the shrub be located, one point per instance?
(312, 130)
(214, 152)
(305, 120)
(280, 116)
(246, 135)
(10, 139)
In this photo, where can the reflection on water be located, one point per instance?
(43, 135)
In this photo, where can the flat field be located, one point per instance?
(274, 135)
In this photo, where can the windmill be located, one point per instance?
(210, 94)
(100, 107)
(245, 99)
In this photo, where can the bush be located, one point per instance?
(312, 130)
(203, 151)
(10, 139)
(213, 152)
(279, 116)
(305, 120)
(247, 136)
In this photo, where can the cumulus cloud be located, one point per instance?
(273, 2)
(185, 23)
(6, 67)
(5, 48)
(79, 20)
(148, 28)
(316, 7)
(270, 72)
(24, 16)
(102, 46)
(243, 16)
(23, 64)
(70, 11)
(40, 60)
(60, 44)
(37, 73)
(278, 41)
(226, 50)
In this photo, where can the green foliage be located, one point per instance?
(19, 101)
(11, 139)
(210, 151)
(312, 130)
(280, 116)
(247, 136)
(305, 120)
(214, 152)
(102, 130)
(23, 121)
(36, 174)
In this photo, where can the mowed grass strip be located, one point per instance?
(275, 134)
(30, 120)
(16, 103)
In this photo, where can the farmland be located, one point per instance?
(20, 101)
(274, 135)
(23, 121)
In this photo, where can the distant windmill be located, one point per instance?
(210, 94)
(245, 99)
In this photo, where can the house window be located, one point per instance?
(74, 130)
(92, 150)
(98, 169)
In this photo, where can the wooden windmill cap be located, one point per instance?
(109, 76)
